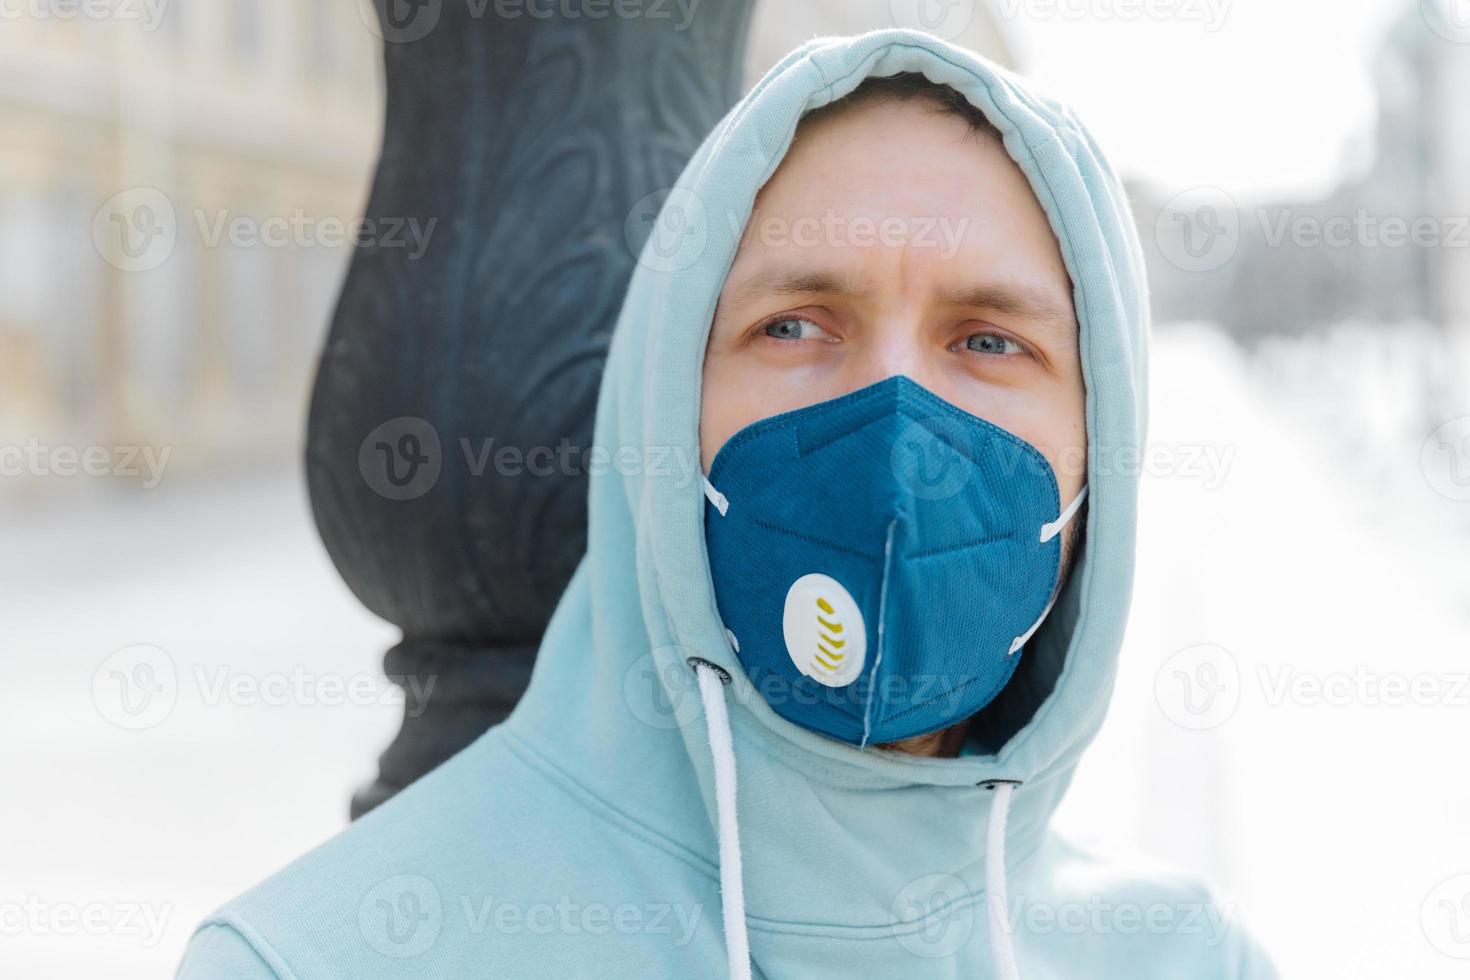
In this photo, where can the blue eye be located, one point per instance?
(992, 343)
(793, 328)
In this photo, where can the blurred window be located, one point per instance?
(247, 31)
(322, 51)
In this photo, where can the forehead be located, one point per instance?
(904, 174)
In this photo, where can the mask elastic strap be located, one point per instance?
(721, 502)
(1050, 530)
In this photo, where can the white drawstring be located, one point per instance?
(732, 891)
(712, 682)
(1002, 953)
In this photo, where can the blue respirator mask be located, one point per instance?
(881, 559)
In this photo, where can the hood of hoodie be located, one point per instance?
(832, 836)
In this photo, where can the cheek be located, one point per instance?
(721, 409)
(1061, 435)
(738, 388)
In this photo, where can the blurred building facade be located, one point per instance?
(175, 178)
(1296, 267)
(777, 26)
(226, 141)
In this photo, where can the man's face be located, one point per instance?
(893, 240)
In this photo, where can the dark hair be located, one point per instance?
(906, 86)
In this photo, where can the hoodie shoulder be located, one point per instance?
(486, 866)
(1084, 904)
(218, 952)
(376, 891)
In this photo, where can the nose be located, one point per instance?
(895, 348)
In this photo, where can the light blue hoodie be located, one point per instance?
(582, 837)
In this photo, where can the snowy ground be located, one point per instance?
(1286, 542)
(148, 820)
(1322, 590)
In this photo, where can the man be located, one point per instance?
(809, 711)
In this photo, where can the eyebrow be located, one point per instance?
(1012, 299)
(791, 282)
(1018, 300)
